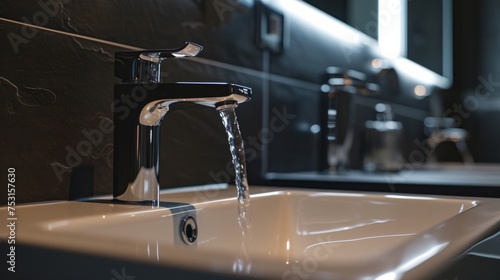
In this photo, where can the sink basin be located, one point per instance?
(281, 234)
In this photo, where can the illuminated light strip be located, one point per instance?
(391, 27)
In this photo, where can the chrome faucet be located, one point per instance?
(141, 103)
(339, 109)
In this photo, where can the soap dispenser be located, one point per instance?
(383, 141)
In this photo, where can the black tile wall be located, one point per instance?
(475, 100)
(151, 24)
(56, 88)
(55, 91)
(292, 113)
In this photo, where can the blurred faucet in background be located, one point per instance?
(442, 130)
(340, 121)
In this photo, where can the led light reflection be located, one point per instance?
(387, 276)
(57, 224)
(409, 197)
(391, 31)
(422, 257)
(420, 90)
(422, 74)
(337, 194)
(358, 239)
(377, 63)
(412, 263)
(332, 230)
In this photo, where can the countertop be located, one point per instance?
(445, 179)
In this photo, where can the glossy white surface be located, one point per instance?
(296, 233)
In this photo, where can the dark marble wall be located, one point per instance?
(56, 89)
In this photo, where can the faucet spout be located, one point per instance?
(207, 94)
(137, 122)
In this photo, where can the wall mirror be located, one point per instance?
(419, 30)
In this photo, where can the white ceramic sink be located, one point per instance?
(295, 234)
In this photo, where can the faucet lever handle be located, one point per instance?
(144, 65)
(189, 49)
